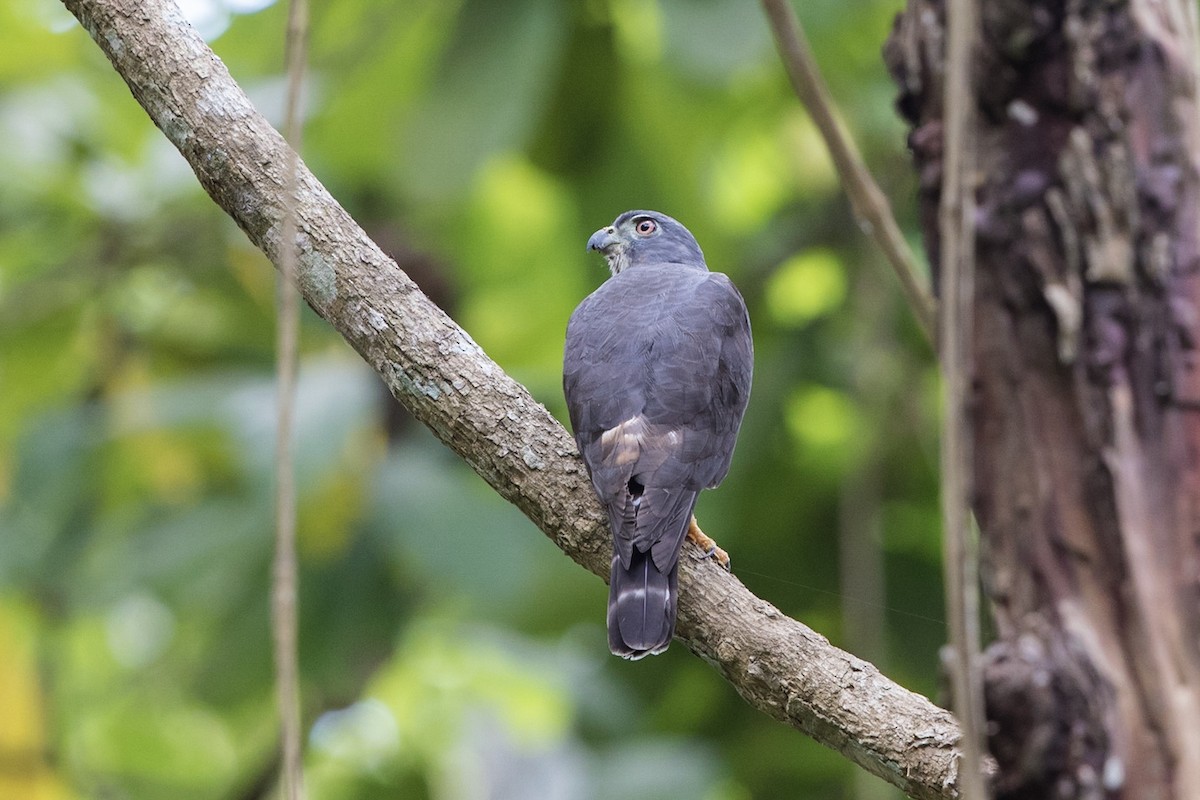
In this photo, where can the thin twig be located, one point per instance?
(956, 223)
(869, 203)
(285, 577)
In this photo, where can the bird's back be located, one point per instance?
(670, 343)
(656, 373)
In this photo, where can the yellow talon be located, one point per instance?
(707, 544)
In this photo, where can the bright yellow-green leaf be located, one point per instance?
(807, 154)
(441, 674)
(806, 286)
(638, 25)
(821, 417)
(151, 736)
(23, 733)
(747, 184)
(518, 262)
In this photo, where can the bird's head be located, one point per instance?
(645, 237)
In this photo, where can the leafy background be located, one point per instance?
(448, 649)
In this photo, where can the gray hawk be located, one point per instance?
(656, 373)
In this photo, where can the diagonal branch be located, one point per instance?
(440, 375)
(870, 204)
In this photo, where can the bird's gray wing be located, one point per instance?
(656, 373)
(702, 383)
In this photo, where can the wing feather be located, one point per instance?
(657, 372)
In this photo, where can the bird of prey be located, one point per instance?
(656, 373)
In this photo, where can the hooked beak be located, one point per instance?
(602, 239)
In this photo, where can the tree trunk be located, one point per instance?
(1086, 387)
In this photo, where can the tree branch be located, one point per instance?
(443, 377)
(870, 204)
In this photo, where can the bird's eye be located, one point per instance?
(646, 227)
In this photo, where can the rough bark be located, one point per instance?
(1085, 382)
(434, 368)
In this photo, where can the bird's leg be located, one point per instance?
(706, 543)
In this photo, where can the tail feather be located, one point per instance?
(641, 607)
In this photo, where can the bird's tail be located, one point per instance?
(641, 606)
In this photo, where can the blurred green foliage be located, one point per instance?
(448, 649)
